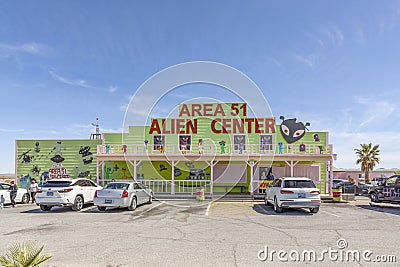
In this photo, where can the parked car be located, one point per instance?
(22, 194)
(389, 191)
(122, 194)
(335, 182)
(293, 192)
(352, 188)
(73, 193)
(378, 181)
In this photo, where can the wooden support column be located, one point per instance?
(173, 177)
(331, 176)
(102, 172)
(97, 171)
(291, 165)
(251, 163)
(135, 164)
(211, 164)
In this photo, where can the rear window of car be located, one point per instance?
(57, 184)
(117, 186)
(299, 184)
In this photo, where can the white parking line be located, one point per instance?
(208, 208)
(333, 214)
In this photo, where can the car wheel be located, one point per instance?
(45, 207)
(277, 209)
(25, 199)
(374, 197)
(314, 210)
(133, 204)
(266, 200)
(78, 203)
(150, 199)
(101, 208)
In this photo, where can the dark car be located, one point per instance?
(388, 191)
(352, 188)
(335, 182)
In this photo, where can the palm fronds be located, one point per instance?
(25, 254)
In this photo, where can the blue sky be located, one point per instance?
(335, 64)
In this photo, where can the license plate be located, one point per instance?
(50, 194)
(302, 195)
(107, 201)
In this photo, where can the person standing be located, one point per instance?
(13, 193)
(33, 188)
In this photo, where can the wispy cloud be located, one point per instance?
(112, 89)
(11, 130)
(28, 48)
(334, 34)
(371, 112)
(80, 83)
(277, 62)
(309, 60)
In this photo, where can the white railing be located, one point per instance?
(180, 186)
(141, 149)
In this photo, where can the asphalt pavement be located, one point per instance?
(190, 233)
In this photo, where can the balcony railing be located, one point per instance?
(287, 149)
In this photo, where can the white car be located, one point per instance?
(73, 193)
(22, 194)
(122, 194)
(293, 192)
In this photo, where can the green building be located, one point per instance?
(212, 145)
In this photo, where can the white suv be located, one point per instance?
(293, 192)
(73, 193)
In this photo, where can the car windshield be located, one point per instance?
(299, 184)
(57, 184)
(117, 186)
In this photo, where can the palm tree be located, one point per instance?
(25, 254)
(368, 157)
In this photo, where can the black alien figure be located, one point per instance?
(292, 130)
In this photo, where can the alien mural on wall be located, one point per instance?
(292, 130)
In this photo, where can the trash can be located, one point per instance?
(200, 196)
(337, 194)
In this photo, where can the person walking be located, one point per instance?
(33, 189)
(13, 193)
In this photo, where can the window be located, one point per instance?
(391, 181)
(159, 142)
(185, 142)
(51, 183)
(239, 142)
(117, 186)
(266, 142)
(277, 183)
(299, 184)
(136, 186)
(5, 186)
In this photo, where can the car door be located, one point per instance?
(86, 186)
(139, 192)
(91, 188)
(4, 192)
(274, 188)
(388, 190)
(396, 196)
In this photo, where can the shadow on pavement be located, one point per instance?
(381, 207)
(268, 210)
(36, 209)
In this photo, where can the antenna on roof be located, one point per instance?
(96, 135)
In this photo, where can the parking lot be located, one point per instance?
(182, 233)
